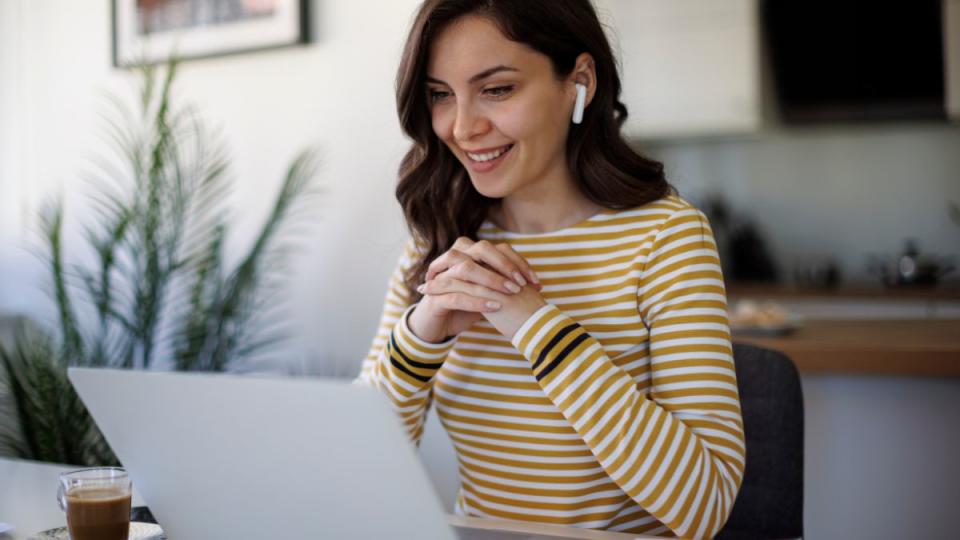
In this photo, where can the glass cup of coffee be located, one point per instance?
(97, 503)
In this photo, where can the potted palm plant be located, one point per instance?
(160, 286)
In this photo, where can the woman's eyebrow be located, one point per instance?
(479, 76)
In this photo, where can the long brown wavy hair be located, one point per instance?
(438, 199)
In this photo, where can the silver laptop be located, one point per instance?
(230, 457)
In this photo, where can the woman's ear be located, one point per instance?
(585, 73)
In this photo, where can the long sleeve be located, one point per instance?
(399, 363)
(677, 447)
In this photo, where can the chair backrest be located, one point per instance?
(770, 502)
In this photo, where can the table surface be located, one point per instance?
(945, 292)
(28, 502)
(28, 497)
(917, 347)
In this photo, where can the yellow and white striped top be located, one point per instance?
(614, 407)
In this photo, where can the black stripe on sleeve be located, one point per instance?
(407, 359)
(391, 347)
(553, 343)
(404, 369)
(563, 354)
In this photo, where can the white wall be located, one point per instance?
(12, 190)
(841, 192)
(336, 94)
(875, 186)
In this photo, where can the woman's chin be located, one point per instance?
(490, 191)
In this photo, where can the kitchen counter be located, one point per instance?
(916, 347)
(945, 292)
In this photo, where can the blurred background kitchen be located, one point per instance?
(821, 138)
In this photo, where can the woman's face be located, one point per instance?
(499, 107)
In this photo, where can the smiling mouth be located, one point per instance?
(489, 156)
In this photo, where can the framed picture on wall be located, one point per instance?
(151, 30)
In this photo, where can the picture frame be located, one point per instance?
(151, 31)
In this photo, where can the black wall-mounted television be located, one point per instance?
(856, 60)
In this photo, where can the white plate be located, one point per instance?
(138, 531)
(772, 330)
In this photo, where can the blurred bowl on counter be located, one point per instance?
(767, 318)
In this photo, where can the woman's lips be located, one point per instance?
(490, 164)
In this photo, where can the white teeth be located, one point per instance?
(489, 155)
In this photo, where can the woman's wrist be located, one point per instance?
(419, 324)
(516, 311)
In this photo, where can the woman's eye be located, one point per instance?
(498, 91)
(437, 96)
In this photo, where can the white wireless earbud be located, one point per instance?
(580, 104)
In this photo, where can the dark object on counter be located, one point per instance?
(142, 514)
(770, 502)
(911, 267)
(743, 253)
(719, 216)
(750, 260)
(818, 275)
(953, 210)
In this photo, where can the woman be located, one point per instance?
(562, 307)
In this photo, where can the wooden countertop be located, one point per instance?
(917, 347)
(948, 291)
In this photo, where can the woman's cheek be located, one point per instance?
(512, 120)
(442, 124)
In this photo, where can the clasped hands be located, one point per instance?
(475, 280)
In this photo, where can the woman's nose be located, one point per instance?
(469, 123)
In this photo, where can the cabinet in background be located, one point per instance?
(690, 67)
(951, 49)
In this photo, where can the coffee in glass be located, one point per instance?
(97, 503)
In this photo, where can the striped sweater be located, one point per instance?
(614, 406)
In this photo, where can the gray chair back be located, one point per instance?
(770, 502)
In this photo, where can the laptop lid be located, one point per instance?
(224, 457)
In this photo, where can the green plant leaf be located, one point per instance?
(159, 283)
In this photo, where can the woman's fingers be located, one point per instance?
(457, 295)
(462, 267)
(462, 243)
(447, 283)
(444, 262)
(472, 272)
(501, 258)
(485, 252)
(518, 260)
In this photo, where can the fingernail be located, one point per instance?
(519, 279)
(493, 305)
(536, 278)
(511, 286)
(421, 288)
